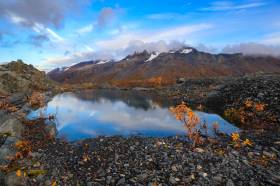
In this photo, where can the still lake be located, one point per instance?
(93, 113)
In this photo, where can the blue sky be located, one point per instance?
(49, 34)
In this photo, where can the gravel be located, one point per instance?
(154, 161)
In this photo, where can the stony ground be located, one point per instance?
(157, 161)
(219, 94)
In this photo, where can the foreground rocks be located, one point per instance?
(156, 161)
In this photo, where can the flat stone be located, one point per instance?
(121, 181)
(218, 179)
(230, 183)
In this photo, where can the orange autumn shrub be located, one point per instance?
(190, 120)
(156, 81)
(37, 99)
(237, 142)
(250, 113)
(23, 147)
(247, 142)
(4, 105)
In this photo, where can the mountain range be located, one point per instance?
(159, 69)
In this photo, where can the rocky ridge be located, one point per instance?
(17, 76)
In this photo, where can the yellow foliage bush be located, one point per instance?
(190, 120)
(37, 99)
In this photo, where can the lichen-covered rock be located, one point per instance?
(12, 126)
(12, 179)
(17, 76)
(8, 149)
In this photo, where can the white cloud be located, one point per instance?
(227, 5)
(272, 39)
(158, 46)
(165, 16)
(176, 33)
(76, 57)
(105, 16)
(253, 49)
(86, 29)
(52, 35)
(119, 46)
(16, 19)
(89, 48)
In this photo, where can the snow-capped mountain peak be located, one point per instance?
(186, 50)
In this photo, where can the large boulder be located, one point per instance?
(17, 76)
(8, 149)
(12, 126)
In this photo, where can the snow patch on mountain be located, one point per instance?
(186, 50)
(153, 56)
(102, 62)
(65, 69)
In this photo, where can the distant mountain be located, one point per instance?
(150, 69)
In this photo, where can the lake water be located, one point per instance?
(114, 112)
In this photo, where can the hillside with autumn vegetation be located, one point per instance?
(160, 69)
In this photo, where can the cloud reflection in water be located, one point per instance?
(79, 118)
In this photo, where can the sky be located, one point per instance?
(58, 33)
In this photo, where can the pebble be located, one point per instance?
(121, 181)
(230, 183)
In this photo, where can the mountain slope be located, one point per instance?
(150, 69)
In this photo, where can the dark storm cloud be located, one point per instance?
(30, 12)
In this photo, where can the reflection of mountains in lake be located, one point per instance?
(138, 99)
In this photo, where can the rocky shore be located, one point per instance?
(219, 94)
(12, 130)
